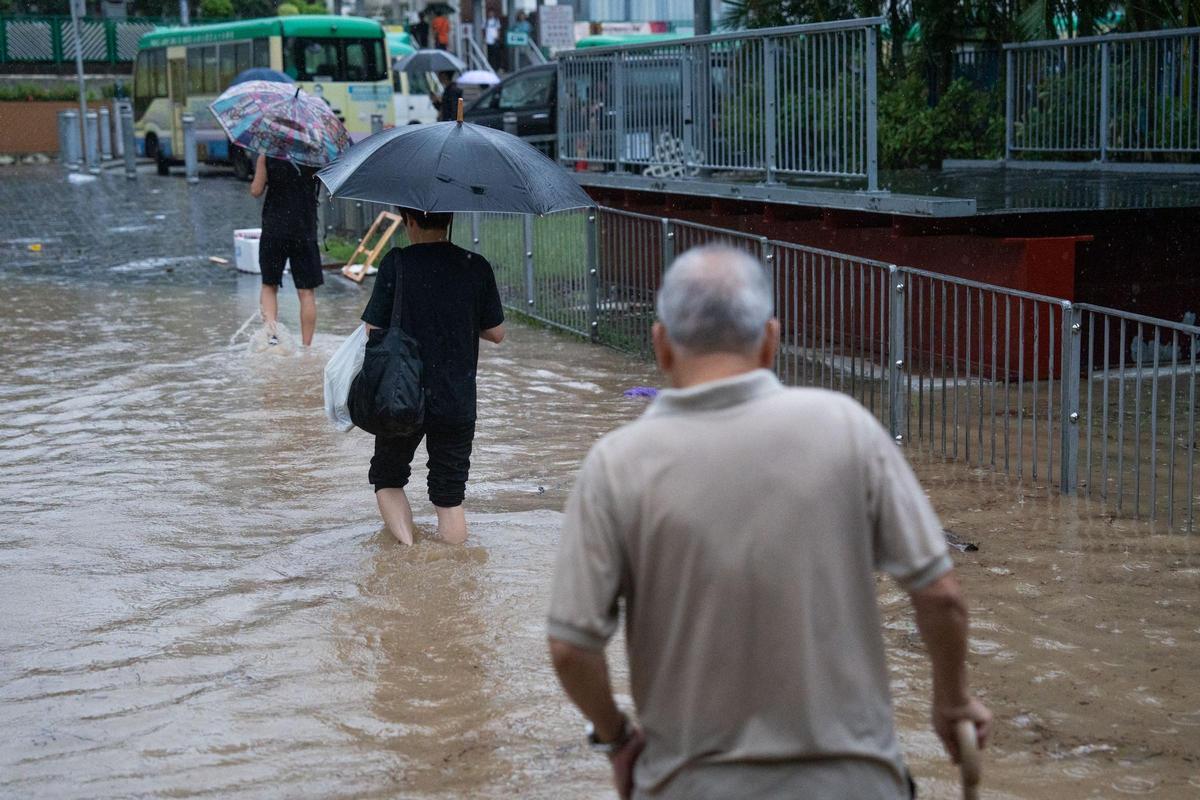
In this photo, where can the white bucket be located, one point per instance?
(245, 249)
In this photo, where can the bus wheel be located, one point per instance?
(151, 146)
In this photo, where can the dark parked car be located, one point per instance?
(524, 104)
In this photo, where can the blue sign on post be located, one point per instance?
(517, 39)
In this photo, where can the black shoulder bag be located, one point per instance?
(386, 397)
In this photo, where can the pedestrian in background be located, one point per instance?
(441, 31)
(742, 524)
(289, 237)
(491, 37)
(447, 104)
(419, 31)
(449, 302)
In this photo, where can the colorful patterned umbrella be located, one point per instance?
(281, 121)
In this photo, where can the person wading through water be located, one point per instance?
(449, 302)
(289, 236)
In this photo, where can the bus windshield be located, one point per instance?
(333, 59)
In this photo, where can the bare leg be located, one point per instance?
(396, 513)
(452, 524)
(268, 302)
(308, 314)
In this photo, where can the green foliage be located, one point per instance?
(216, 9)
(965, 123)
(287, 10)
(59, 92)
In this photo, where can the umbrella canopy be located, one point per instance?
(440, 8)
(282, 121)
(478, 77)
(261, 74)
(451, 166)
(431, 61)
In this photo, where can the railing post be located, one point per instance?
(73, 145)
(527, 219)
(106, 139)
(770, 107)
(618, 111)
(190, 156)
(1069, 412)
(1105, 81)
(560, 127)
(376, 123)
(91, 141)
(130, 146)
(668, 243)
(475, 231)
(897, 399)
(872, 122)
(689, 114)
(1009, 101)
(593, 274)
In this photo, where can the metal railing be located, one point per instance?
(1132, 94)
(1090, 400)
(51, 40)
(778, 102)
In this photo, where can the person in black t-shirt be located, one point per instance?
(449, 302)
(419, 31)
(447, 104)
(289, 235)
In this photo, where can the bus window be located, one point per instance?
(365, 60)
(228, 67)
(262, 53)
(242, 56)
(195, 71)
(211, 77)
(312, 59)
(143, 85)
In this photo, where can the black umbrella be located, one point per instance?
(440, 8)
(453, 166)
(430, 61)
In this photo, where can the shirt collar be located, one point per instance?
(716, 395)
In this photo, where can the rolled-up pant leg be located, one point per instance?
(449, 446)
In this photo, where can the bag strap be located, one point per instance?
(398, 297)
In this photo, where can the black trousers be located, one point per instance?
(449, 448)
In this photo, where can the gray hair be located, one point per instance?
(715, 299)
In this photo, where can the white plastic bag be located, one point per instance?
(343, 366)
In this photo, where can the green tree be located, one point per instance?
(216, 9)
(287, 10)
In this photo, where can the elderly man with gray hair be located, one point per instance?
(742, 523)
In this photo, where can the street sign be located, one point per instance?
(517, 38)
(556, 27)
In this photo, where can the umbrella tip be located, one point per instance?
(297, 94)
(460, 111)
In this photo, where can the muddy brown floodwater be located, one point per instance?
(198, 599)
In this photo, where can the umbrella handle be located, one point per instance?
(968, 758)
(460, 111)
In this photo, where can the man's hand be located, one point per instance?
(623, 761)
(945, 715)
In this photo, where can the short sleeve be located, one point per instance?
(379, 308)
(907, 534)
(589, 567)
(491, 311)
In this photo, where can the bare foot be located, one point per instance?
(396, 513)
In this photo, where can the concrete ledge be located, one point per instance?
(1071, 166)
(877, 202)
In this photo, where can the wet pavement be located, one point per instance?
(199, 600)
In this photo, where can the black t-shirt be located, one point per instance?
(290, 207)
(448, 111)
(449, 295)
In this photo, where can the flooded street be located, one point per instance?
(199, 599)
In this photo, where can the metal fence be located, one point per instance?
(1115, 95)
(51, 40)
(793, 101)
(1091, 400)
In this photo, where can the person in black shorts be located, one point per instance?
(449, 302)
(289, 235)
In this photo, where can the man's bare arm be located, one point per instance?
(494, 335)
(942, 621)
(584, 677)
(259, 184)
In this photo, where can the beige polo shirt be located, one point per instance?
(741, 524)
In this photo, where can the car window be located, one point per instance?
(531, 91)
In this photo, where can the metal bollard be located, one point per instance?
(105, 134)
(64, 155)
(118, 136)
(129, 145)
(73, 144)
(189, 148)
(92, 141)
(376, 123)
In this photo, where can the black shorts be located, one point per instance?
(304, 256)
(449, 448)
